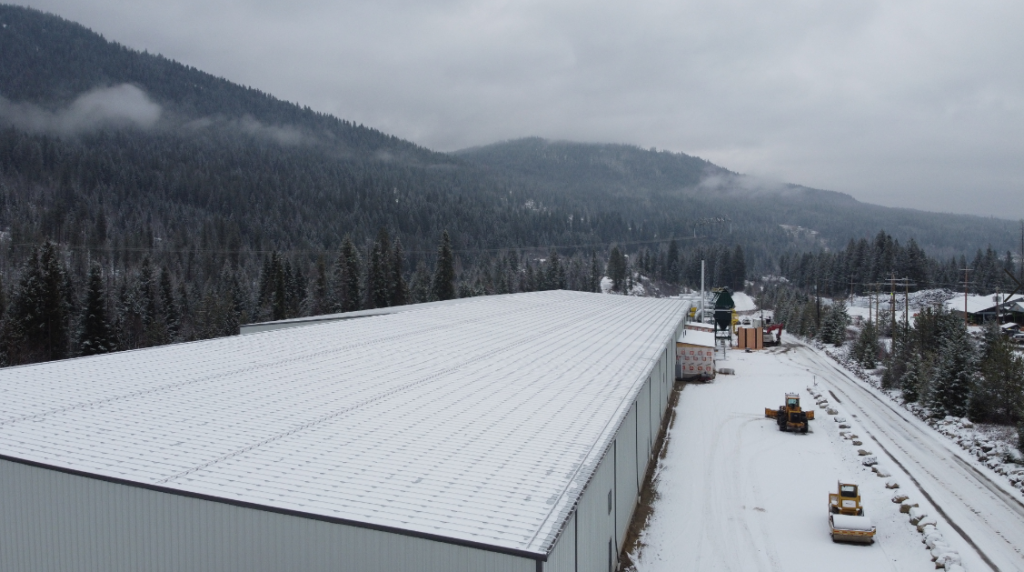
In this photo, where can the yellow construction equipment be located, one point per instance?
(789, 416)
(846, 517)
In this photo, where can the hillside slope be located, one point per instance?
(703, 189)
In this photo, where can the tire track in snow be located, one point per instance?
(902, 428)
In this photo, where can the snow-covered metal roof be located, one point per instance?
(980, 303)
(480, 421)
(697, 338)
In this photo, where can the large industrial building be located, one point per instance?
(502, 433)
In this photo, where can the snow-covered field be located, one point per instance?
(737, 494)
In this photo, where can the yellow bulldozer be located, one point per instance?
(789, 416)
(846, 518)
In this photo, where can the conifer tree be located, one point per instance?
(554, 277)
(377, 271)
(738, 274)
(998, 393)
(443, 286)
(147, 289)
(617, 269)
(96, 335)
(172, 318)
(399, 294)
(833, 327)
(347, 278)
(279, 302)
(317, 302)
(672, 262)
(910, 382)
(954, 375)
(40, 311)
(420, 287)
(865, 349)
(594, 282)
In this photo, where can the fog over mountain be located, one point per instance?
(907, 103)
(197, 204)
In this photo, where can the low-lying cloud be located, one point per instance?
(120, 106)
(281, 134)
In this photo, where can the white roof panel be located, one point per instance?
(480, 421)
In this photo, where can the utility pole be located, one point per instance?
(906, 304)
(966, 270)
(817, 305)
(892, 305)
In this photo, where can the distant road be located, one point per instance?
(979, 504)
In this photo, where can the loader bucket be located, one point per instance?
(770, 412)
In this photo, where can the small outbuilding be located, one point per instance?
(695, 355)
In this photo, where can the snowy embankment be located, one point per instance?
(942, 553)
(980, 515)
(987, 445)
(735, 493)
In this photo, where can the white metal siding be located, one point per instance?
(595, 526)
(563, 557)
(52, 521)
(643, 437)
(626, 488)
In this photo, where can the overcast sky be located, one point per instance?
(916, 103)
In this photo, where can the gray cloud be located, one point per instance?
(110, 106)
(900, 102)
(282, 134)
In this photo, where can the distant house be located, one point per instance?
(986, 307)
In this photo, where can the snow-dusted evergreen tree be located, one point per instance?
(39, 313)
(617, 269)
(443, 285)
(998, 394)
(172, 318)
(954, 375)
(419, 290)
(347, 288)
(865, 349)
(317, 301)
(398, 288)
(833, 327)
(898, 358)
(910, 381)
(595, 273)
(96, 336)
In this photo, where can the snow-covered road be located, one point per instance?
(984, 511)
(734, 493)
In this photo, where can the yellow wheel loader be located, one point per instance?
(789, 416)
(846, 517)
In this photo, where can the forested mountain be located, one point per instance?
(686, 189)
(145, 202)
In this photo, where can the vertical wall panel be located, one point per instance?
(625, 474)
(563, 557)
(643, 436)
(595, 526)
(52, 521)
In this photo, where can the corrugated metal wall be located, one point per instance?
(606, 508)
(626, 489)
(595, 521)
(56, 522)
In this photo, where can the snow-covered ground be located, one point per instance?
(737, 494)
(743, 301)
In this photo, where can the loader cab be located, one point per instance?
(848, 491)
(792, 401)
